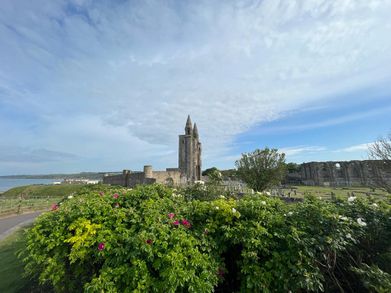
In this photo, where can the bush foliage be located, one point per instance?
(261, 169)
(153, 239)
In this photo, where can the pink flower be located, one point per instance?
(101, 246)
(171, 215)
(101, 193)
(176, 223)
(186, 223)
(149, 241)
(220, 272)
(54, 207)
(116, 195)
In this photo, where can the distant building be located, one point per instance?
(77, 181)
(188, 171)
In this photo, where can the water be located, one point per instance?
(6, 184)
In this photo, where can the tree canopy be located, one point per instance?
(261, 169)
(380, 150)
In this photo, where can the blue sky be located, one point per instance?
(107, 85)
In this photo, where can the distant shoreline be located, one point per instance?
(82, 175)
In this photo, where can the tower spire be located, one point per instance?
(189, 127)
(195, 130)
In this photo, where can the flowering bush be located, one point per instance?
(151, 239)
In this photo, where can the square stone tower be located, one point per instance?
(190, 152)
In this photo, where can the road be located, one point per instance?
(9, 224)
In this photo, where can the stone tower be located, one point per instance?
(190, 152)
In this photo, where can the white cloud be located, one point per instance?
(356, 148)
(296, 150)
(314, 124)
(140, 68)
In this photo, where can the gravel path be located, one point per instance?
(10, 224)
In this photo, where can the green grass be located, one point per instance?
(13, 205)
(344, 192)
(42, 191)
(34, 197)
(11, 267)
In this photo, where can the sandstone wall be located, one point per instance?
(167, 177)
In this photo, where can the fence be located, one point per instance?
(20, 205)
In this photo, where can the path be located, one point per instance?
(10, 224)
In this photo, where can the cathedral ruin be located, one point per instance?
(188, 171)
(341, 173)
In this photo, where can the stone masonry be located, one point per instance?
(341, 173)
(188, 171)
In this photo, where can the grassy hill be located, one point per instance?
(82, 175)
(42, 191)
(34, 197)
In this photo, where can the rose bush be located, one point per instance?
(153, 239)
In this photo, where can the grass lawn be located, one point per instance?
(344, 192)
(11, 268)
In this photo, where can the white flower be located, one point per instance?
(343, 218)
(351, 198)
(361, 222)
(375, 205)
(267, 193)
(222, 196)
(70, 196)
(290, 213)
(233, 210)
(217, 208)
(263, 202)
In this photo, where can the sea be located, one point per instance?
(6, 184)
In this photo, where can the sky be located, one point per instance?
(107, 85)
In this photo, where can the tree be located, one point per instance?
(380, 152)
(261, 169)
(292, 167)
(209, 170)
(213, 174)
(229, 174)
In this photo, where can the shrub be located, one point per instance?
(153, 239)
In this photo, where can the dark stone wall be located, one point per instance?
(115, 180)
(340, 173)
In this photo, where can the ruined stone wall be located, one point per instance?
(169, 177)
(172, 176)
(341, 173)
(189, 165)
(136, 178)
(115, 180)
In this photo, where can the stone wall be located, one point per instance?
(172, 176)
(115, 180)
(188, 171)
(169, 177)
(341, 173)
